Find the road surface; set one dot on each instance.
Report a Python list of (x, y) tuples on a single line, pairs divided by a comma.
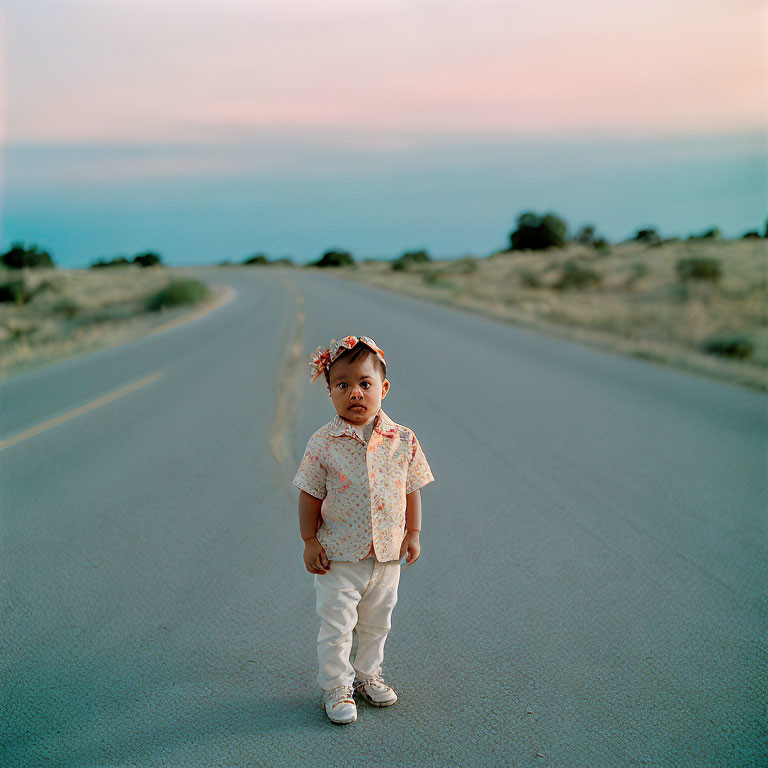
[(592, 589)]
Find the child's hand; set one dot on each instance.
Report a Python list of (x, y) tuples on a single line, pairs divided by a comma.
[(315, 559), (410, 547)]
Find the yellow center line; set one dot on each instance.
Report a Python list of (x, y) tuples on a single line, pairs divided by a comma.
[(64, 417)]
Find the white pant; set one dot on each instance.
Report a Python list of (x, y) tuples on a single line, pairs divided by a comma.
[(357, 596)]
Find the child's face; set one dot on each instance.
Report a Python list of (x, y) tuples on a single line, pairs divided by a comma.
[(357, 389)]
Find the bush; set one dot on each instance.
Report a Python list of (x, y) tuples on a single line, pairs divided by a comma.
[(178, 292), (752, 234), (147, 259), (576, 276), (467, 265), (258, 258), (602, 245), (409, 259), (697, 268), (710, 234), (536, 233), (334, 259), (19, 257), (286, 261), (433, 277), (67, 307), (529, 279), (120, 261), (737, 346), (649, 235), (586, 235), (14, 291)]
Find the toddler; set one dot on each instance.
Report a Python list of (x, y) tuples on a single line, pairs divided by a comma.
[(359, 513)]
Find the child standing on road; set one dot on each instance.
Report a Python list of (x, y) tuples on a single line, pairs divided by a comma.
[(359, 513)]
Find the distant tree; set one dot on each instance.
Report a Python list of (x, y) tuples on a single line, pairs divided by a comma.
[(19, 257), (258, 258), (586, 235), (709, 234), (119, 261), (535, 232), (409, 259), (147, 259), (286, 261), (334, 259), (753, 234), (649, 235)]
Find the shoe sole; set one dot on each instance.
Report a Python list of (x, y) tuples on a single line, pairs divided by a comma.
[(342, 722)]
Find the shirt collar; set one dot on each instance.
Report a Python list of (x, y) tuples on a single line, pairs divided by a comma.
[(382, 424)]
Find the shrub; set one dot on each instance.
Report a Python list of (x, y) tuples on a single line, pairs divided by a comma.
[(537, 233), (698, 268), (19, 257), (119, 261), (178, 292), (586, 235), (409, 259), (432, 277), (752, 234), (258, 258), (334, 259), (576, 276), (67, 307), (14, 291), (147, 259), (467, 265), (649, 235), (710, 234), (529, 279), (286, 261), (732, 345), (601, 244)]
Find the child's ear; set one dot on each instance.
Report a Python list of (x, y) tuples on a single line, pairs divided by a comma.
[(384, 388)]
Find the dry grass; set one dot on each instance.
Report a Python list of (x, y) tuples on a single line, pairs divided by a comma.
[(72, 312), (639, 308)]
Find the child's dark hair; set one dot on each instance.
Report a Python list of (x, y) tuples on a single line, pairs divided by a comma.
[(350, 355)]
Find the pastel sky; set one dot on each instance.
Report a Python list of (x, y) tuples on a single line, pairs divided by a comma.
[(313, 81), (132, 69)]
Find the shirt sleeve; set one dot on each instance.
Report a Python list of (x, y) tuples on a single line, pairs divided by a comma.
[(419, 473), (311, 474)]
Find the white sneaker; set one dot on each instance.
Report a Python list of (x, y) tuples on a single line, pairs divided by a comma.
[(340, 705), (376, 692)]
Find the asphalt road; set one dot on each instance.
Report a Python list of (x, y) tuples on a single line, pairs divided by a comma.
[(592, 590)]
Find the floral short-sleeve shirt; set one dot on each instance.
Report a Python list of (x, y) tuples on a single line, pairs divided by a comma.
[(363, 487)]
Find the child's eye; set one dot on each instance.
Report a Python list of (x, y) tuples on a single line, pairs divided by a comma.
[(342, 386), (365, 384)]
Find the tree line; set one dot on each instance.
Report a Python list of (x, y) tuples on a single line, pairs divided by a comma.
[(534, 232)]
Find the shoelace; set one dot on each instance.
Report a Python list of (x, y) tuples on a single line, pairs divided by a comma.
[(370, 681), (343, 693)]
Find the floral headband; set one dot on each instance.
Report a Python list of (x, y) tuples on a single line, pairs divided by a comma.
[(322, 359)]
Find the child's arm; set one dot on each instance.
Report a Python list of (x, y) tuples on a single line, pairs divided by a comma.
[(411, 546), (315, 560)]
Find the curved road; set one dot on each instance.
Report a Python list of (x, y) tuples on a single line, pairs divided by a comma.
[(592, 590)]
